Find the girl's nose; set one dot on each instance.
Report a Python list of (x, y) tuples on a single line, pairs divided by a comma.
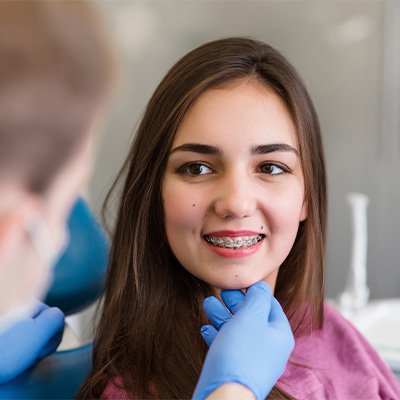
[(235, 198)]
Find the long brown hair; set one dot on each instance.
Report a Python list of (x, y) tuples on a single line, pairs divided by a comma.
[(149, 327)]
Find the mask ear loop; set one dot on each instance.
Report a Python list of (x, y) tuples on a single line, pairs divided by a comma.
[(40, 238)]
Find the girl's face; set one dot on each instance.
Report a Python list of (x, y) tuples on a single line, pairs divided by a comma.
[(233, 191)]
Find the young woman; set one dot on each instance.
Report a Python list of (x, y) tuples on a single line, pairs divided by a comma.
[(224, 186)]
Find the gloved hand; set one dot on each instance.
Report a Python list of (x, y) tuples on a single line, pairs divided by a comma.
[(30, 339), (250, 347)]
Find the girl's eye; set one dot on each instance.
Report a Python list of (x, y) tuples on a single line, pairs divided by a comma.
[(195, 169), (272, 169)]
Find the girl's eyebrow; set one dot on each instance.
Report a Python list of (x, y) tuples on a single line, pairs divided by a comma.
[(198, 148), (215, 150), (270, 148)]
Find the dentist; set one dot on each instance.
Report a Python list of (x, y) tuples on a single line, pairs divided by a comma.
[(56, 72)]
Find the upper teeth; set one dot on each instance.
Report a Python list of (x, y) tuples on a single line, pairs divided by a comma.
[(233, 243)]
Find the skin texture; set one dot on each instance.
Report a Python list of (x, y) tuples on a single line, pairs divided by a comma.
[(26, 267), (232, 391), (234, 190)]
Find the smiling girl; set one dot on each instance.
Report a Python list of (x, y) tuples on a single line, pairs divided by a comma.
[(224, 187), (234, 189)]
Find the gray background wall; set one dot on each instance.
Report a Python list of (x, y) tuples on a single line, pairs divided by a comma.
[(346, 53)]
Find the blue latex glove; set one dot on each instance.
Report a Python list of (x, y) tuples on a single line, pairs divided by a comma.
[(250, 345), (30, 339)]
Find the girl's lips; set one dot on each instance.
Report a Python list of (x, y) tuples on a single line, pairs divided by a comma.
[(236, 252), (233, 242)]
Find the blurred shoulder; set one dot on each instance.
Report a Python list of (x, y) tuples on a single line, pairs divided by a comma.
[(114, 390)]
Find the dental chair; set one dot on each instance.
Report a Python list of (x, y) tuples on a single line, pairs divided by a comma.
[(78, 281)]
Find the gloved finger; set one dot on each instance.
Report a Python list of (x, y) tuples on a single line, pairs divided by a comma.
[(277, 316), (208, 332), (258, 297), (38, 307), (280, 322), (48, 323), (232, 299), (216, 311), (51, 346)]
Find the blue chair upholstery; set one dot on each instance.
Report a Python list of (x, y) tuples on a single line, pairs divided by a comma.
[(78, 281), (58, 376)]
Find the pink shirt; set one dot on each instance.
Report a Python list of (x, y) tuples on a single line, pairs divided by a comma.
[(337, 364)]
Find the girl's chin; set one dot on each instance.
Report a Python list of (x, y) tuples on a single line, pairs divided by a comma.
[(235, 285), (242, 283)]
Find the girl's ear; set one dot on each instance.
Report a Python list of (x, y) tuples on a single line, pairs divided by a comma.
[(303, 213)]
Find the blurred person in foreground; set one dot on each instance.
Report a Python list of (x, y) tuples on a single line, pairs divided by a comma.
[(57, 70)]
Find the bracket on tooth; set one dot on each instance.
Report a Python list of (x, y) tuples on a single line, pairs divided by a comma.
[(236, 243)]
